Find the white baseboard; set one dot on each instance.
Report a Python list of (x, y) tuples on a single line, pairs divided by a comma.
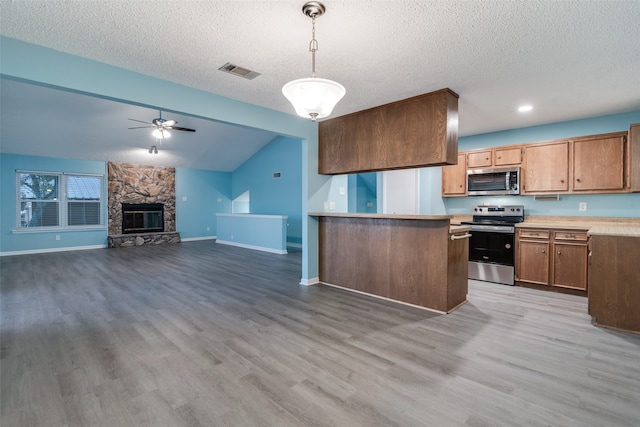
[(310, 282), (49, 250), (256, 248), (193, 239)]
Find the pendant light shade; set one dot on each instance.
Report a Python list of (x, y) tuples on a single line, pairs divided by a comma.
[(313, 97)]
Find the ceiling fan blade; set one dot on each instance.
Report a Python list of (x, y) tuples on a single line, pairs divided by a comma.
[(142, 127), (169, 123), (134, 120), (179, 128)]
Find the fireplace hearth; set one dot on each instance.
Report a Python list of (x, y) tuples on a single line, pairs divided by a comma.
[(142, 218)]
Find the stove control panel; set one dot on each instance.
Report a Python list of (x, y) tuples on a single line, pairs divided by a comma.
[(499, 210)]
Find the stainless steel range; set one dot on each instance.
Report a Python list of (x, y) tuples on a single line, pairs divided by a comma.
[(491, 246)]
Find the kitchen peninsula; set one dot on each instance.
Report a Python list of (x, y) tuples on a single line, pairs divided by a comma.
[(415, 259)]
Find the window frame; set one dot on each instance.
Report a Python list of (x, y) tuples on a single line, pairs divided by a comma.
[(62, 201)]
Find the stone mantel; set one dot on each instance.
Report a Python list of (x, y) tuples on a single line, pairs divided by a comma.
[(136, 184)]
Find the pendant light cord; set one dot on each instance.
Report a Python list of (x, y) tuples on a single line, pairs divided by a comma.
[(313, 46)]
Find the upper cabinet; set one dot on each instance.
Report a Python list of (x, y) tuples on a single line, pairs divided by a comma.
[(633, 160), (496, 157), (606, 163), (507, 156), (546, 168), (454, 178), (599, 163), (479, 159), (412, 133)]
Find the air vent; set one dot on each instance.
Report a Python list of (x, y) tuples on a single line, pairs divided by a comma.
[(239, 71)]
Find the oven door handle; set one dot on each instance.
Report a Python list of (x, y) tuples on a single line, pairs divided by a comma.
[(460, 236)]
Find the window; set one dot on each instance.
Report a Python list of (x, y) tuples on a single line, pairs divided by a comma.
[(60, 200)]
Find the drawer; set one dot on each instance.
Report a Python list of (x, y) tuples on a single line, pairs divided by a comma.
[(570, 235), (533, 234)]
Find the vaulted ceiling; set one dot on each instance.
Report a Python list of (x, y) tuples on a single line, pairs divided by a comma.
[(569, 59)]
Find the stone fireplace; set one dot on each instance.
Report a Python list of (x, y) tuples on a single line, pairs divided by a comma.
[(142, 205)]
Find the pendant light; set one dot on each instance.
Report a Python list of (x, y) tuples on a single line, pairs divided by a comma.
[(313, 97)]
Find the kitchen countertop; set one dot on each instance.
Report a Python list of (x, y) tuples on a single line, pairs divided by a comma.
[(593, 225), (381, 216)]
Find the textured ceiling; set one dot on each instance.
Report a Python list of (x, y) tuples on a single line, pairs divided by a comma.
[(569, 59)]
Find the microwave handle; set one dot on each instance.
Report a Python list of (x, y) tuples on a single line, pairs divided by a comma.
[(507, 180)]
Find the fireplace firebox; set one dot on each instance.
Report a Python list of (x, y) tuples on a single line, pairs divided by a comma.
[(142, 217)]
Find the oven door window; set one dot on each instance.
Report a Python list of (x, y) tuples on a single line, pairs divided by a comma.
[(491, 247)]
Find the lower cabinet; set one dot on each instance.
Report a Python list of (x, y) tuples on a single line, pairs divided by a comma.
[(553, 258), (570, 257), (614, 282)]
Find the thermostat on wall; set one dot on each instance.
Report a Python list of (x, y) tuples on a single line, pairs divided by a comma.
[(276, 174)]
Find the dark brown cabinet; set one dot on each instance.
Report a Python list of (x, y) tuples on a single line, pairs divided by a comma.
[(412, 133), (614, 281)]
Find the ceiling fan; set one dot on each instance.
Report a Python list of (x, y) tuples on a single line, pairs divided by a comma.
[(162, 126)]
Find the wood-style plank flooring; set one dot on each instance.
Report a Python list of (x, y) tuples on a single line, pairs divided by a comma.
[(199, 334)]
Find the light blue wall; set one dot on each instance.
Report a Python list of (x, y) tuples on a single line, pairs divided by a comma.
[(261, 232), (200, 194), (269, 195), (19, 242), (362, 190), (598, 205), (39, 65)]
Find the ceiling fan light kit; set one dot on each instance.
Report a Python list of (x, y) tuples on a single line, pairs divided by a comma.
[(160, 133), (313, 97), (161, 127)]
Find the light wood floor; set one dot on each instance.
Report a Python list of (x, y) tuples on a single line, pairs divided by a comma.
[(199, 334)]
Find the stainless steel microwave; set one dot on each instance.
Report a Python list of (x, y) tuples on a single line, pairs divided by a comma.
[(488, 182)]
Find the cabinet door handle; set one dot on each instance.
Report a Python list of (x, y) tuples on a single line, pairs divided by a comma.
[(562, 181), (559, 253), (578, 179), (544, 252)]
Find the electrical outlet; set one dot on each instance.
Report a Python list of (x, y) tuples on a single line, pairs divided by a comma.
[(342, 191), (326, 205), (208, 228), (332, 206), (184, 198), (219, 200), (582, 206), (57, 237)]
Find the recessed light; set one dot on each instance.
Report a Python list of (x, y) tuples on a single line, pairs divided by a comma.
[(525, 108)]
